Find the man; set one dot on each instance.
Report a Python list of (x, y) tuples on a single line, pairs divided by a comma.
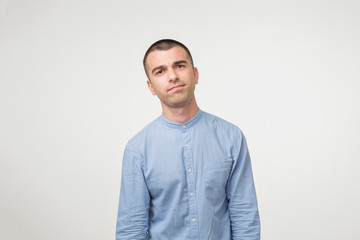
[(187, 175)]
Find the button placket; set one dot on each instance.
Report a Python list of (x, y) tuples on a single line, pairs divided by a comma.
[(190, 178)]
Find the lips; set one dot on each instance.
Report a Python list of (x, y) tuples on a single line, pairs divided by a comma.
[(176, 87)]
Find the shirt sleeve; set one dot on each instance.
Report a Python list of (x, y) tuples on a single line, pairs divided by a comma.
[(133, 211), (243, 207)]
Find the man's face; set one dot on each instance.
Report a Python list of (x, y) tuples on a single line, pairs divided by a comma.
[(172, 77)]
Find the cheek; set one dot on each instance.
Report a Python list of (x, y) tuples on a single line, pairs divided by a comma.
[(191, 78), (158, 87)]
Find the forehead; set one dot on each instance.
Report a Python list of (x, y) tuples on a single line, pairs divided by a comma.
[(166, 57)]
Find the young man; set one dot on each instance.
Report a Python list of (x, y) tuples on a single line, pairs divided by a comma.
[(187, 175)]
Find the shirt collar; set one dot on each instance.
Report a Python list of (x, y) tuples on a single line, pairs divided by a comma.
[(182, 126)]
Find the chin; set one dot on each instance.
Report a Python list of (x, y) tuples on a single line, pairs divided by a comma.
[(178, 102)]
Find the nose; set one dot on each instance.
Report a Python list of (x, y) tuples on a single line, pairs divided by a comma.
[(172, 75)]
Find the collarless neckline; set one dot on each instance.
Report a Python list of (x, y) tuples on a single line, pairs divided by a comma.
[(187, 124)]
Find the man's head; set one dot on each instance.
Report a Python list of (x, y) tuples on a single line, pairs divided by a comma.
[(171, 74), (163, 45)]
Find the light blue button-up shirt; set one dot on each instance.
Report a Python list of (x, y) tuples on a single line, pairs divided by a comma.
[(188, 181)]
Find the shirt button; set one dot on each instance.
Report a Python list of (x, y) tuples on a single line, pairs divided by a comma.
[(193, 220), (183, 126), (186, 145), (191, 194), (189, 170)]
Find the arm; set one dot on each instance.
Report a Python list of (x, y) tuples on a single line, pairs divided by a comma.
[(243, 208), (133, 213)]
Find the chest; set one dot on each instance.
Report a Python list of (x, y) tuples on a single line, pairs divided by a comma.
[(177, 161)]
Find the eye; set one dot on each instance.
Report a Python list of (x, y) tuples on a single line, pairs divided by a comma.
[(159, 72), (180, 66)]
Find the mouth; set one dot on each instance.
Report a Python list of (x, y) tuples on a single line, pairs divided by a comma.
[(176, 87)]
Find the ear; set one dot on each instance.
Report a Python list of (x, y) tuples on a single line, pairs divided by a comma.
[(196, 74), (150, 87)]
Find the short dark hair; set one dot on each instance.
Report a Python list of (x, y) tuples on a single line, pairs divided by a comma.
[(163, 45)]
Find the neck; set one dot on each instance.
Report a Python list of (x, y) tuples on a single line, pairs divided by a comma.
[(180, 114)]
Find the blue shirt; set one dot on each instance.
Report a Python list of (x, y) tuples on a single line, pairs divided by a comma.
[(188, 181)]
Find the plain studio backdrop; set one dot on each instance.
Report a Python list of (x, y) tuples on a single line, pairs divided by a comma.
[(73, 91)]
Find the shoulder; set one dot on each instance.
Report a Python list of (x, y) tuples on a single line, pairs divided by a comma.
[(225, 130), (140, 138), (228, 134), (220, 124)]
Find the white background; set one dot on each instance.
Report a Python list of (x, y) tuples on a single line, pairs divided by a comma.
[(73, 91)]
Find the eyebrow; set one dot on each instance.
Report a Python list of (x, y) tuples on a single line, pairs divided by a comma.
[(162, 66), (159, 67), (179, 62)]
